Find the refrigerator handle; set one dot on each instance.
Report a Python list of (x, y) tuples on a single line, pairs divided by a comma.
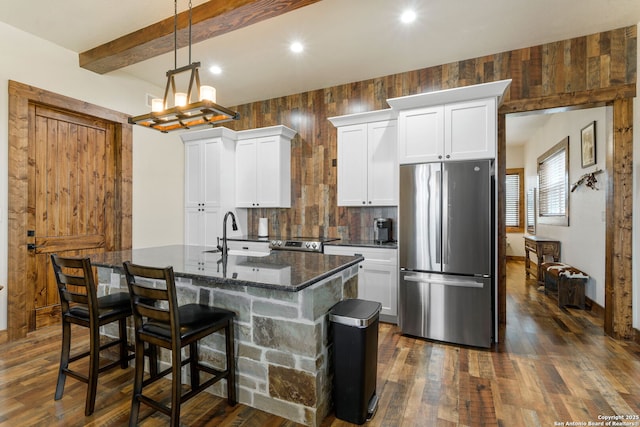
[(438, 221), (445, 282), (444, 215)]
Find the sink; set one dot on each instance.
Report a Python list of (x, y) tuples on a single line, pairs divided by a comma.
[(242, 252)]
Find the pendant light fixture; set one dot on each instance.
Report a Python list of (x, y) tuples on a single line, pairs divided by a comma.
[(183, 110)]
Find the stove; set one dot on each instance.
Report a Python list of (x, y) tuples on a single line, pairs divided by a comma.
[(305, 244)]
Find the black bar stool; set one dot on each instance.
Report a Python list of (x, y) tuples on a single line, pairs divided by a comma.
[(81, 306), (159, 321)]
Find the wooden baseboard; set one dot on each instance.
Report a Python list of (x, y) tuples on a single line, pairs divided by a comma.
[(595, 308), (515, 258), (636, 336), (4, 336)]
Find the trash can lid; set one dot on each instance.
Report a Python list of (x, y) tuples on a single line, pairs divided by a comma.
[(355, 312)]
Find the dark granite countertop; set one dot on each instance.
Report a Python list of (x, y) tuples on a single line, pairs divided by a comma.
[(282, 270), (363, 243)]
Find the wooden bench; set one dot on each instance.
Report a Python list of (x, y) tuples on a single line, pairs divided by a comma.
[(567, 281)]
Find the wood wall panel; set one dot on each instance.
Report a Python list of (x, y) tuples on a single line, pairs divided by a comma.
[(595, 68)]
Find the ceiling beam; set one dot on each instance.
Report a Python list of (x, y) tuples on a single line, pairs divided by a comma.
[(210, 19)]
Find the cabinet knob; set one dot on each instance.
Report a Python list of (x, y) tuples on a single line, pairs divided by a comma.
[(448, 156), (364, 203), (439, 157), (369, 201)]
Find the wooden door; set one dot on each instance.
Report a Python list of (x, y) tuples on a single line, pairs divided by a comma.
[(71, 187)]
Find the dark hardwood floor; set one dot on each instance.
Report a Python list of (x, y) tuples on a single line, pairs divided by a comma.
[(552, 366)]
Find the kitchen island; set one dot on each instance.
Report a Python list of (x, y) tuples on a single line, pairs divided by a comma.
[(282, 329)]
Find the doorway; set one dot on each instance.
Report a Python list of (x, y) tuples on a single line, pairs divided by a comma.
[(619, 196), (583, 240)]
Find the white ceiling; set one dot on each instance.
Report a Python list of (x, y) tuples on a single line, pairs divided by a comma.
[(345, 40)]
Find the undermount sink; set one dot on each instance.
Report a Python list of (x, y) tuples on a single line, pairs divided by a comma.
[(242, 252)]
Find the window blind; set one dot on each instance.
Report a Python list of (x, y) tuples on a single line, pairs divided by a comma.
[(513, 200), (552, 180)]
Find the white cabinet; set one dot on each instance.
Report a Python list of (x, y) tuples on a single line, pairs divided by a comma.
[(263, 167), (377, 277), (367, 159), (202, 226), (459, 131), (452, 124), (207, 161)]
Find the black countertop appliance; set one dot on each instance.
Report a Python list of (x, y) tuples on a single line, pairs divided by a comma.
[(382, 230)]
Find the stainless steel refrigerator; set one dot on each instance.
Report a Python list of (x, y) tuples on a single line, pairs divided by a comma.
[(446, 228)]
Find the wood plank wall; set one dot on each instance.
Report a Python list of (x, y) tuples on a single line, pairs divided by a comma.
[(597, 68), (588, 63)]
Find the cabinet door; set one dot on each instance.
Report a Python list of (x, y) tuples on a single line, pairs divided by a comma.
[(192, 227), (421, 135), (246, 173), (267, 169), (382, 167), (211, 226), (202, 226), (211, 155), (379, 282), (352, 165), (193, 170), (470, 130)]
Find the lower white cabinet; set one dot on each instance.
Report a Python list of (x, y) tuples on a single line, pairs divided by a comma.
[(377, 278), (202, 226)]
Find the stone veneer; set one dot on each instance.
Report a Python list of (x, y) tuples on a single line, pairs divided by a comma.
[(282, 339)]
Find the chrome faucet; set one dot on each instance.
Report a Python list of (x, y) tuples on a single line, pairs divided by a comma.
[(224, 249)]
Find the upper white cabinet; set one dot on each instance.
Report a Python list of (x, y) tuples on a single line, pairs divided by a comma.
[(202, 169), (453, 124), (263, 167), (367, 159)]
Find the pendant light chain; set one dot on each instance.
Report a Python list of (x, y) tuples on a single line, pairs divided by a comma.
[(175, 34), (189, 31)]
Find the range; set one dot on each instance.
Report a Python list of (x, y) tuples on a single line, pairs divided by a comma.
[(306, 244)]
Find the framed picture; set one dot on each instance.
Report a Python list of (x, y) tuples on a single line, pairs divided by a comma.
[(588, 145)]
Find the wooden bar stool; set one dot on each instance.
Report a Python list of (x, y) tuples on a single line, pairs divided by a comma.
[(159, 321), (81, 306)]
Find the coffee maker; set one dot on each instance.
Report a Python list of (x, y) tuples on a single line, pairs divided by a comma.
[(382, 230)]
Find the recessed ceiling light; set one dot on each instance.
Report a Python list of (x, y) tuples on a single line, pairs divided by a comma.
[(215, 69), (408, 16), (296, 47)]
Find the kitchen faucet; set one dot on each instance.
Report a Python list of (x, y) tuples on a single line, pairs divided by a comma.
[(224, 249)]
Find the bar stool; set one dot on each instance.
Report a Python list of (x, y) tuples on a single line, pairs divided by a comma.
[(159, 321), (81, 306)]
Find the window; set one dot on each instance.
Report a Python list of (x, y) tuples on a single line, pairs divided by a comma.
[(514, 190), (553, 182)]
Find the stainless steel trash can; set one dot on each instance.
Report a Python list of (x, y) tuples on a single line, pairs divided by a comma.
[(355, 359)]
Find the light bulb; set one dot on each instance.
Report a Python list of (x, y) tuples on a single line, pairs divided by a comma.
[(208, 93), (180, 99), (157, 105)]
